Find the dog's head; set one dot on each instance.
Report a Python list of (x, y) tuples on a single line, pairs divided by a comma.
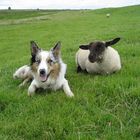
[(45, 64)]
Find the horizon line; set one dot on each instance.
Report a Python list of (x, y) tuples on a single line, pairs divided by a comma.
[(67, 8)]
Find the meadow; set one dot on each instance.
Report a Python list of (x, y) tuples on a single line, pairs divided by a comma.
[(104, 107)]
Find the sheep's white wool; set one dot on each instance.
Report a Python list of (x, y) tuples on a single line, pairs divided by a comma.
[(111, 61), (108, 15), (81, 58)]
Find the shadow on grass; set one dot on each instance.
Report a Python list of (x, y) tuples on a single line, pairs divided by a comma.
[(3, 106)]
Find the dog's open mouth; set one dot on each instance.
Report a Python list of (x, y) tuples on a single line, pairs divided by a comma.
[(44, 77)]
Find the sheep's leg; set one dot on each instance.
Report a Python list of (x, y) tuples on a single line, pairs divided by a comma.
[(79, 69)]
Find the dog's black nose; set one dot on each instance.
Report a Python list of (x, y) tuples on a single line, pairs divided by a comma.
[(42, 71)]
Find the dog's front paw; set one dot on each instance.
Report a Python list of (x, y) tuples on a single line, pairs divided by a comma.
[(31, 90), (70, 94), (30, 94)]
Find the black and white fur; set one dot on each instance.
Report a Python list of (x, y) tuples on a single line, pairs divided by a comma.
[(98, 57), (48, 70), (24, 73)]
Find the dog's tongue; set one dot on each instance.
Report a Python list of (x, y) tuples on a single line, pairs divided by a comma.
[(43, 78)]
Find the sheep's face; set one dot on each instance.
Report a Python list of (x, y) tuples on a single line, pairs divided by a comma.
[(97, 49)]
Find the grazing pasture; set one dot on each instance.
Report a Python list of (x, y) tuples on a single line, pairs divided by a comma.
[(104, 107)]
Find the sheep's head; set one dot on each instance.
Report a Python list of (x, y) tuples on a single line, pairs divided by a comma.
[(97, 49)]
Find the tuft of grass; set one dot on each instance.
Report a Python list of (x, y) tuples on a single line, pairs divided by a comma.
[(104, 107)]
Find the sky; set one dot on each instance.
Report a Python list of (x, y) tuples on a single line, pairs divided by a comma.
[(65, 4)]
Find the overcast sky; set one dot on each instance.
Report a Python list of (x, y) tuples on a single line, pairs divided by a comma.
[(65, 4)]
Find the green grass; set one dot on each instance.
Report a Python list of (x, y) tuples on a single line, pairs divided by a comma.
[(104, 107), (20, 14)]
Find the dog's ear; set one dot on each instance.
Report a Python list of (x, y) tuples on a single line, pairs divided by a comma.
[(34, 48), (112, 42), (56, 50)]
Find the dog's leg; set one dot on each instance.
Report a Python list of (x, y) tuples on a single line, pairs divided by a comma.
[(67, 89), (24, 82), (32, 88)]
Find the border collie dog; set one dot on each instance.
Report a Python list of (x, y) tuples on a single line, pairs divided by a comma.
[(48, 70)]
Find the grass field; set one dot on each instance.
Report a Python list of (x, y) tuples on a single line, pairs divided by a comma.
[(104, 107)]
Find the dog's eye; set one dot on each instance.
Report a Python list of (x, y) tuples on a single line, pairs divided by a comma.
[(50, 61), (38, 61)]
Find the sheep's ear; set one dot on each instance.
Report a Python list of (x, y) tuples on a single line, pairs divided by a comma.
[(84, 47), (56, 50), (112, 42), (34, 48)]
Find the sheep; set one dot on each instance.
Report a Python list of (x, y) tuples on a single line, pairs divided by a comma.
[(108, 15), (24, 73), (98, 57)]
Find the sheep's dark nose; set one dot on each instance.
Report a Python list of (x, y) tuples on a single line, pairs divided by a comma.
[(42, 72), (92, 58)]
